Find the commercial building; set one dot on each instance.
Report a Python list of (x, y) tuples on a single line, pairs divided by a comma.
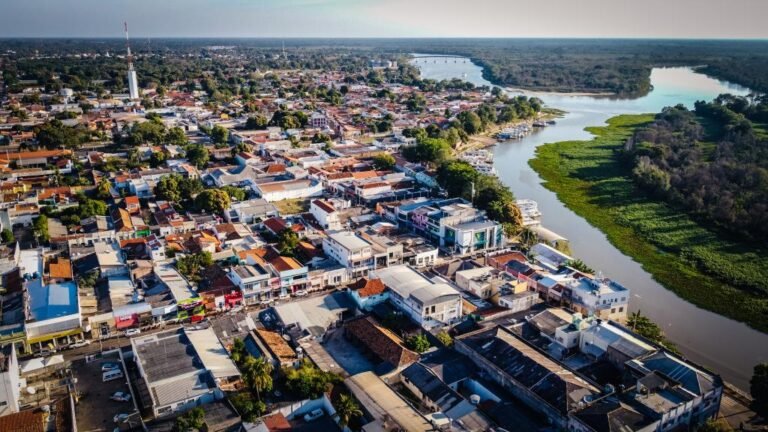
[(429, 303)]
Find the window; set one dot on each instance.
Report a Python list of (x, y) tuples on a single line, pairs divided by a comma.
[(433, 309), (621, 309), (613, 310)]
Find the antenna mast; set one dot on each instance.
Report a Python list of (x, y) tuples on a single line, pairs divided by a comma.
[(128, 46)]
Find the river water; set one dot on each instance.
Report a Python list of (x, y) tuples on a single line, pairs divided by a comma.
[(719, 343)]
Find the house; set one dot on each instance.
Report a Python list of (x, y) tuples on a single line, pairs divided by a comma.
[(110, 259), (598, 296), (251, 211), (253, 281), (367, 293), (315, 315), (430, 303), (325, 214)]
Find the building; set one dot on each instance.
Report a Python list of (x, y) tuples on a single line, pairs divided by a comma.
[(533, 378), (351, 251), (253, 281), (9, 380), (175, 375), (430, 303), (597, 296), (288, 189), (453, 224), (367, 293), (388, 348), (388, 409), (325, 214)]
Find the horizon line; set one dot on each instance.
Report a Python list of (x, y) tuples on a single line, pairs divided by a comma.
[(657, 38)]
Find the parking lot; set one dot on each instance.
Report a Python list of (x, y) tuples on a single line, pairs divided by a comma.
[(95, 410)]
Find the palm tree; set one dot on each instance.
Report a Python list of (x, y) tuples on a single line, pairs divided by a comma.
[(347, 409), (238, 352), (257, 374)]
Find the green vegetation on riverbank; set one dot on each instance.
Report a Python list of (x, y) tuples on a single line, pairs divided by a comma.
[(589, 178)]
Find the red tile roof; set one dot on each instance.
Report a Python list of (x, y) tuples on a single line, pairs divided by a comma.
[(368, 287)]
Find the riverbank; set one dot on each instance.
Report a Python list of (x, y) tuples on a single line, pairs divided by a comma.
[(488, 138), (588, 179)]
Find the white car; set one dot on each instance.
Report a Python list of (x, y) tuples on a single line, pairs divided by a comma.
[(80, 344), (121, 397), (121, 418), (313, 415), (284, 296), (132, 332), (301, 293)]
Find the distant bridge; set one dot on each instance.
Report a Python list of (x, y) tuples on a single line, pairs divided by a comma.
[(439, 58)]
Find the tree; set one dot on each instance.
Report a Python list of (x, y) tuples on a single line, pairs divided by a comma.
[(104, 189), (40, 226), (238, 352), (287, 242), (198, 155), (212, 200), (192, 420), (248, 408), (758, 388), (715, 426), (643, 326), (55, 134), (151, 131), (7, 236), (308, 381), (580, 266), (418, 343), (236, 193), (445, 338), (190, 265), (384, 161), (168, 188), (219, 134), (257, 374), (256, 122), (176, 136), (157, 159), (347, 409)]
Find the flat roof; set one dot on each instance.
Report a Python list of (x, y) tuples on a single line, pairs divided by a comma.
[(165, 355), (53, 300), (316, 313), (380, 401), (349, 240), (212, 353)]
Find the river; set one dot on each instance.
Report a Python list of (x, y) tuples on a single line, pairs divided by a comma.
[(726, 346)]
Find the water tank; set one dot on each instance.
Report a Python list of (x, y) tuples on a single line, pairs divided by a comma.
[(474, 399)]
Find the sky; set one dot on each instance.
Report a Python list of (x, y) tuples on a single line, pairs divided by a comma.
[(386, 18)]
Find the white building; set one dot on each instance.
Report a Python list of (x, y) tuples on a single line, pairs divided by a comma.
[(597, 296), (288, 189), (325, 214), (431, 303), (351, 251), (253, 281), (9, 380)]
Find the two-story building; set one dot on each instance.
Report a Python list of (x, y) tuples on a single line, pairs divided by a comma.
[(351, 251), (430, 303)]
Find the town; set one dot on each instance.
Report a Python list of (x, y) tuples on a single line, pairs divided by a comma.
[(323, 250)]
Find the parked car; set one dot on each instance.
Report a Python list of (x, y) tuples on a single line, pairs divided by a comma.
[(106, 367), (121, 396), (121, 418), (284, 296), (313, 415), (301, 293), (45, 352), (80, 344), (132, 332)]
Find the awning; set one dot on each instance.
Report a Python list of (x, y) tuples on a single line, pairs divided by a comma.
[(50, 336)]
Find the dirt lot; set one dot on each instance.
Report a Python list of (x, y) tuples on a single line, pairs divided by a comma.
[(95, 410)]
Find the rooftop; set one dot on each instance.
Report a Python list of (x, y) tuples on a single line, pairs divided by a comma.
[(166, 354), (381, 401), (53, 300)]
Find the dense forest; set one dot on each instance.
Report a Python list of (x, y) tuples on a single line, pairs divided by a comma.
[(568, 65), (712, 162)]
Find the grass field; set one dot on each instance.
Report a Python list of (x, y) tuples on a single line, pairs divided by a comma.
[(705, 267)]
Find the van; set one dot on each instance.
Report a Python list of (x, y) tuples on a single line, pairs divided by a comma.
[(111, 375)]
